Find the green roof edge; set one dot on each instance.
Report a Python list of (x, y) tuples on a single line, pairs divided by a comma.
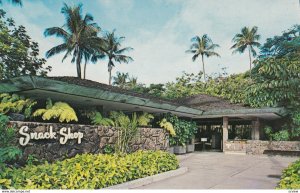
[(281, 111), (24, 83)]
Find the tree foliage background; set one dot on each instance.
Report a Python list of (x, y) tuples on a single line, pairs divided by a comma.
[(19, 54), (275, 82)]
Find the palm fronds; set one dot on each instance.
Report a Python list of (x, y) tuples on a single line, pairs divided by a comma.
[(113, 50), (248, 38), (79, 35), (14, 2), (202, 46)]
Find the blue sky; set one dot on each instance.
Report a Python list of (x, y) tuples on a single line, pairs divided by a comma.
[(160, 31)]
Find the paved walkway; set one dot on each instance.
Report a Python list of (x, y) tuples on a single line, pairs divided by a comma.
[(224, 171)]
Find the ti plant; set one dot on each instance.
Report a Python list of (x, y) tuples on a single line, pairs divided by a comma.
[(127, 130), (127, 127)]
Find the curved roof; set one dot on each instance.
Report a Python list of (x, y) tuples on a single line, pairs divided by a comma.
[(90, 93), (207, 102), (86, 92)]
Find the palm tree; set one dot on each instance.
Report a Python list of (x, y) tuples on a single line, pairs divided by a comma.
[(121, 79), (132, 82), (14, 2), (202, 47), (247, 39), (114, 51), (79, 35)]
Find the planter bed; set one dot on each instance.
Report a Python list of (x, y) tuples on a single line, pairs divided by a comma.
[(179, 149), (190, 148), (283, 153), (150, 179), (89, 171)]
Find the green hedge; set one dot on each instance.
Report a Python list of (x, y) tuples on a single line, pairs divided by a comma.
[(88, 171), (290, 178)]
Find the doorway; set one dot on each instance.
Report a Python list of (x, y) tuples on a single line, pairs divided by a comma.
[(208, 138)]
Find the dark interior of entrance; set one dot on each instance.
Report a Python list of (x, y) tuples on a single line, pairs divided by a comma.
[(210, 133)]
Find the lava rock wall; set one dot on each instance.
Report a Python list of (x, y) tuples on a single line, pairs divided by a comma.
[(94, 140)]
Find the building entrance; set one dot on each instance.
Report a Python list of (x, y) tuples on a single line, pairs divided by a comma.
[(209, 138)]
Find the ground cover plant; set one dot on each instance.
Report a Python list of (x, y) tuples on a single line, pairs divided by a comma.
[(290, 178), (88, 171)]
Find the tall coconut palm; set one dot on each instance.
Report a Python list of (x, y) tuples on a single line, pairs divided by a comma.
[(203, 46), (79, 35), (247, 39), (14, 2), (114, 52), (132, 82), (121, 79)]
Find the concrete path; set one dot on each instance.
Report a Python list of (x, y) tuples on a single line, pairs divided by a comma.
[(224, 171)]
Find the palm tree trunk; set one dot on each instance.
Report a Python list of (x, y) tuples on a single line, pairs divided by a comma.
[(109, 76), (203, 68), (109, 71), (78, 67), (84, 70), (250, 61)]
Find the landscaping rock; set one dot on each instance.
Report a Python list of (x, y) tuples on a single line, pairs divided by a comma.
[(95, 138)]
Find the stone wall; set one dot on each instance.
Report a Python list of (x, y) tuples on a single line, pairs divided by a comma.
[(235, 146), (258, 147), (95, 138)]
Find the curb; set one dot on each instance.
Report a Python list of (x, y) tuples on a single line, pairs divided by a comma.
[(149, 179), (235, 152)]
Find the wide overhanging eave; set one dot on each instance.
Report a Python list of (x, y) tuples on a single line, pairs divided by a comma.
[(26, 83)]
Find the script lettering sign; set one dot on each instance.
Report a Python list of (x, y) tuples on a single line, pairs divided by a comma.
[(65, 135)]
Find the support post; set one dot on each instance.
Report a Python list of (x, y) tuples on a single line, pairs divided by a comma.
[(255, 129), (225, 131)]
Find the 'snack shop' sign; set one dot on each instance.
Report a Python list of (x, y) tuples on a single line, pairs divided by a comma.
[(65, 135)]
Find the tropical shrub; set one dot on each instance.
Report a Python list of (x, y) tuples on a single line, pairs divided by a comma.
[(16, 104), (88, 171), (168, 126), (282, 135), (290, 178), (32, 160), (184, 130), (144, 119), (8, 152), (127, 129), (294, 125), (108, 149), (7, 133), (98, 119), (60, 110)]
